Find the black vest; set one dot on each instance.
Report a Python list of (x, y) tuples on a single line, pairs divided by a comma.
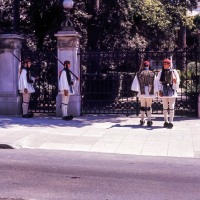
[(146, 78), (28, 74)]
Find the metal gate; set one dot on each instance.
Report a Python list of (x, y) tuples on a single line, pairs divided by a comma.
[(107, 77), (44, 65)]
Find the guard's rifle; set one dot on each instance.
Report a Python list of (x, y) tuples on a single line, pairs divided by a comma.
[(9, 51), (171, 63), (141, 63), (64, 65), (21, 63), (172, 67), (16, 57)]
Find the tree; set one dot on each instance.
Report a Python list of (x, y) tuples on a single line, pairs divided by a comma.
[(103, 24), (193, 35)]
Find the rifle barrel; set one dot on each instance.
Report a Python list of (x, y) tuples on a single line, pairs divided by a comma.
[(64, 65), (15, 56)]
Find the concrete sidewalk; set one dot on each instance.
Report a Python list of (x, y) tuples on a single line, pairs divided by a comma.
[(104, 133)]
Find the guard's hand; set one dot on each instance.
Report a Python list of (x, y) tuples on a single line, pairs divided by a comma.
[(174, 80), (160, 93), (66, 92), (25, 90)]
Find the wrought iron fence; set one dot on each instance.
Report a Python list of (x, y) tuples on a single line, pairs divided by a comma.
[(107, 77)]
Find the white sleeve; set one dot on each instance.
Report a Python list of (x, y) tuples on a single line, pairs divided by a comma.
[(176, 85), (159, 85), (155, 84), (23, 80), (33, 79), (63, 83), (135, 85), (75, 81)]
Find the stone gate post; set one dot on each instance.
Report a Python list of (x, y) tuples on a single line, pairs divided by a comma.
[(9, 67), (68, 47)]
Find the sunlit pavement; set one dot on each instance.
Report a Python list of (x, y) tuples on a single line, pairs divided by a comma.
[(103, 133)]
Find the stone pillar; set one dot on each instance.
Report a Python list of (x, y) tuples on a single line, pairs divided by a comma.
[(68, 47), (9, 67)]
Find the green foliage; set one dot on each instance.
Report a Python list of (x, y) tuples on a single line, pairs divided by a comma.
[(191, 77), (193, 38), (193, 68), (104, 25)]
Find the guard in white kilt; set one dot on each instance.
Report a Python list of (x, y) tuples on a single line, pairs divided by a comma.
[(66, 88), (145, 83), (168, 83), (25, 86)]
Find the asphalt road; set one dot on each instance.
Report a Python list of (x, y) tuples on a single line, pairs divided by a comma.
[(63, 175)]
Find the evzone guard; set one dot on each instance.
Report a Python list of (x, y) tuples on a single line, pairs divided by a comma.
[(66, 89), (168, 84), (25, 86), (145, 83)]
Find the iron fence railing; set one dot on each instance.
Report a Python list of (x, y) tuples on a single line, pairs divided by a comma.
[(106, 79)]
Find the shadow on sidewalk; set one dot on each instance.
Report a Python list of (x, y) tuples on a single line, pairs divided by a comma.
[(82, 121), (136, 127), (53, 121)]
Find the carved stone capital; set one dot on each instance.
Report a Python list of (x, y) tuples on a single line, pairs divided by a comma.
[(10, 42), (68, 42), (68, 39)]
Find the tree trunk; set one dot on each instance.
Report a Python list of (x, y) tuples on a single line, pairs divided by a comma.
[(97, 4), (182, 44), (182, 38), (93, 27)]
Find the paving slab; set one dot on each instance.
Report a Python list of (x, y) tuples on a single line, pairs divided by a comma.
[(104, 133)]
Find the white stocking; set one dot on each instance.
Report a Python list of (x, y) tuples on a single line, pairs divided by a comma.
[(171, 116), (64, 109), (64, 106), (149, 114), (142, 108), (142, 113), (165, 112), (171, 111), (165, 108), (25, 108), (25, 104), (149, 103)]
